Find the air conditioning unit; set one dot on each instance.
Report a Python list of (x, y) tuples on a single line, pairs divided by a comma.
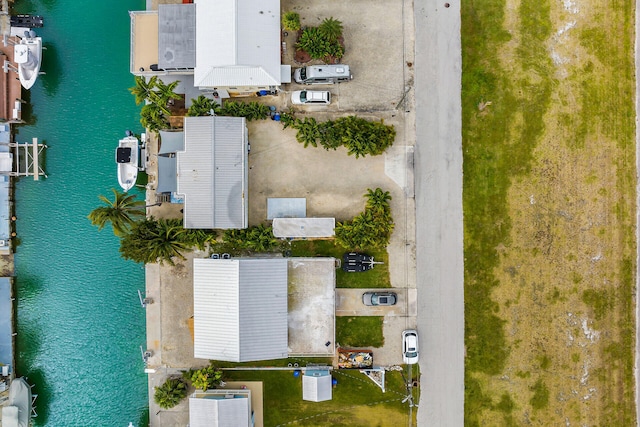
[(3, 243)]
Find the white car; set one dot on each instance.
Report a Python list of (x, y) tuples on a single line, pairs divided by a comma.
[(410, 346), (311, 97)]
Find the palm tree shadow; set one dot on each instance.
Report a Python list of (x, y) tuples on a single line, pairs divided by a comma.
[(52, 66)]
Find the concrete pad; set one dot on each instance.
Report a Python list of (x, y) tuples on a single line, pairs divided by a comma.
[(311, 316), (349, 303)]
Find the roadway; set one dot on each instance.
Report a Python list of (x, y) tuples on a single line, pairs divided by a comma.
[(439, 230)]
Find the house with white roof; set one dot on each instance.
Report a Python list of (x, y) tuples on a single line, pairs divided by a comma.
[(221, 408), (229, 47)]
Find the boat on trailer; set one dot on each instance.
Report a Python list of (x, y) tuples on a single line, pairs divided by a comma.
[(127, 156), (28, 56)]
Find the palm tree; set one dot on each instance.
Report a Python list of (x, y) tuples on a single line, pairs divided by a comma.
[(170, 393), (152, 117), (122, 212), (331, 29), (164, 92), (153, 240), (201, 106), (143, 89)]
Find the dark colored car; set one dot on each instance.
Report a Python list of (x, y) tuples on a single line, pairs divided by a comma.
[(379, 298)]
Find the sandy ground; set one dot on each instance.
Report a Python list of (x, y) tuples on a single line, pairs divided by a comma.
[(572, 218)]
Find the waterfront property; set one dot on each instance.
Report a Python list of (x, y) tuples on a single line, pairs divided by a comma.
[(230, 47)]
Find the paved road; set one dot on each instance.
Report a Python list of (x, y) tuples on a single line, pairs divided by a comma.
[(439, 234)]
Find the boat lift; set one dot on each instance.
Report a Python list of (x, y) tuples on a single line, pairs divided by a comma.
[(27, 159)]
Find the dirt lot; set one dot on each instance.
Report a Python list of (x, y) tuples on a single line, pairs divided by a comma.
[(566, 268)]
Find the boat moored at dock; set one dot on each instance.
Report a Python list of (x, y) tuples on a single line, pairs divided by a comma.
[(28, 56), (127, 157)]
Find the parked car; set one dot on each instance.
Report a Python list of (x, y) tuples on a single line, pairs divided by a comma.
[(311, 97), (410, 346), (379, 298), (353, 262)]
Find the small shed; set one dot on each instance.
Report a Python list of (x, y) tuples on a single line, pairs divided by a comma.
[(316, 385), (304, 228)]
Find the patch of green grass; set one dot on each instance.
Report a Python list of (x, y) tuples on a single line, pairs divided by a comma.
[(600, 301), (545, 362), (283, 399), (377, 277), (540, 398), (359, 331)]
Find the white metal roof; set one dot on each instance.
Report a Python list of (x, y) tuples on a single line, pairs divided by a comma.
[(237, 43), (220, 412), (213, 172), (304, 227), (316, 386), (240, 309)]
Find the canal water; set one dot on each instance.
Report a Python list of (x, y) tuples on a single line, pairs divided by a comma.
[(79, 321)]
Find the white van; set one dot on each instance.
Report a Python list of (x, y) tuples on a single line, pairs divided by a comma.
[(322, 74)]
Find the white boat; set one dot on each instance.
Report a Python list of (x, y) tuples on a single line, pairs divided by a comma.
[(28, 56), (19, 409), (127, 159)]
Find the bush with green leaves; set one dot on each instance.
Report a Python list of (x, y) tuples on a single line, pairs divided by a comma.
[(331, 29), (371, 228), (205, 378), (250, 110), (360, 136), (200, 106), (291, 21), (170, 393), (258, 238), (316, 43)]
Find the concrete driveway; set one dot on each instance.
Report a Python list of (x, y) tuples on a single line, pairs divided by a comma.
[(349, 303)]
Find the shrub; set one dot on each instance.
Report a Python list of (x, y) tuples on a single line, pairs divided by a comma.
[(361, 137), (205, 378), (258, 238), (250, 110), (371, 228), (170, 393), (291, 21), (331, 29), (318, 45), (201, 106)]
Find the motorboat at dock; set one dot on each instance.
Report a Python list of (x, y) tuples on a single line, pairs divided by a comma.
[(28, 56), (127, 157)]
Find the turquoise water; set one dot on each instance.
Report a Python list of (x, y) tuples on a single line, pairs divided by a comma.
[(80, 323)]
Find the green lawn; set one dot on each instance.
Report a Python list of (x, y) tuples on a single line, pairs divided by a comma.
[(377, 277), (359, 331), (357, 401)]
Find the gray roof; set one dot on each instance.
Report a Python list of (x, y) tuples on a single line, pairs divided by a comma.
[(171, 142), (304, 227), (6, 314), (240, 309), (176, 36), (167, 171), (287, 207), (213, 172)]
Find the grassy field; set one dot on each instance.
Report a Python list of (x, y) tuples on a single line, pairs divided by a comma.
[(359, 331), (549, 203), (357, 401)]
